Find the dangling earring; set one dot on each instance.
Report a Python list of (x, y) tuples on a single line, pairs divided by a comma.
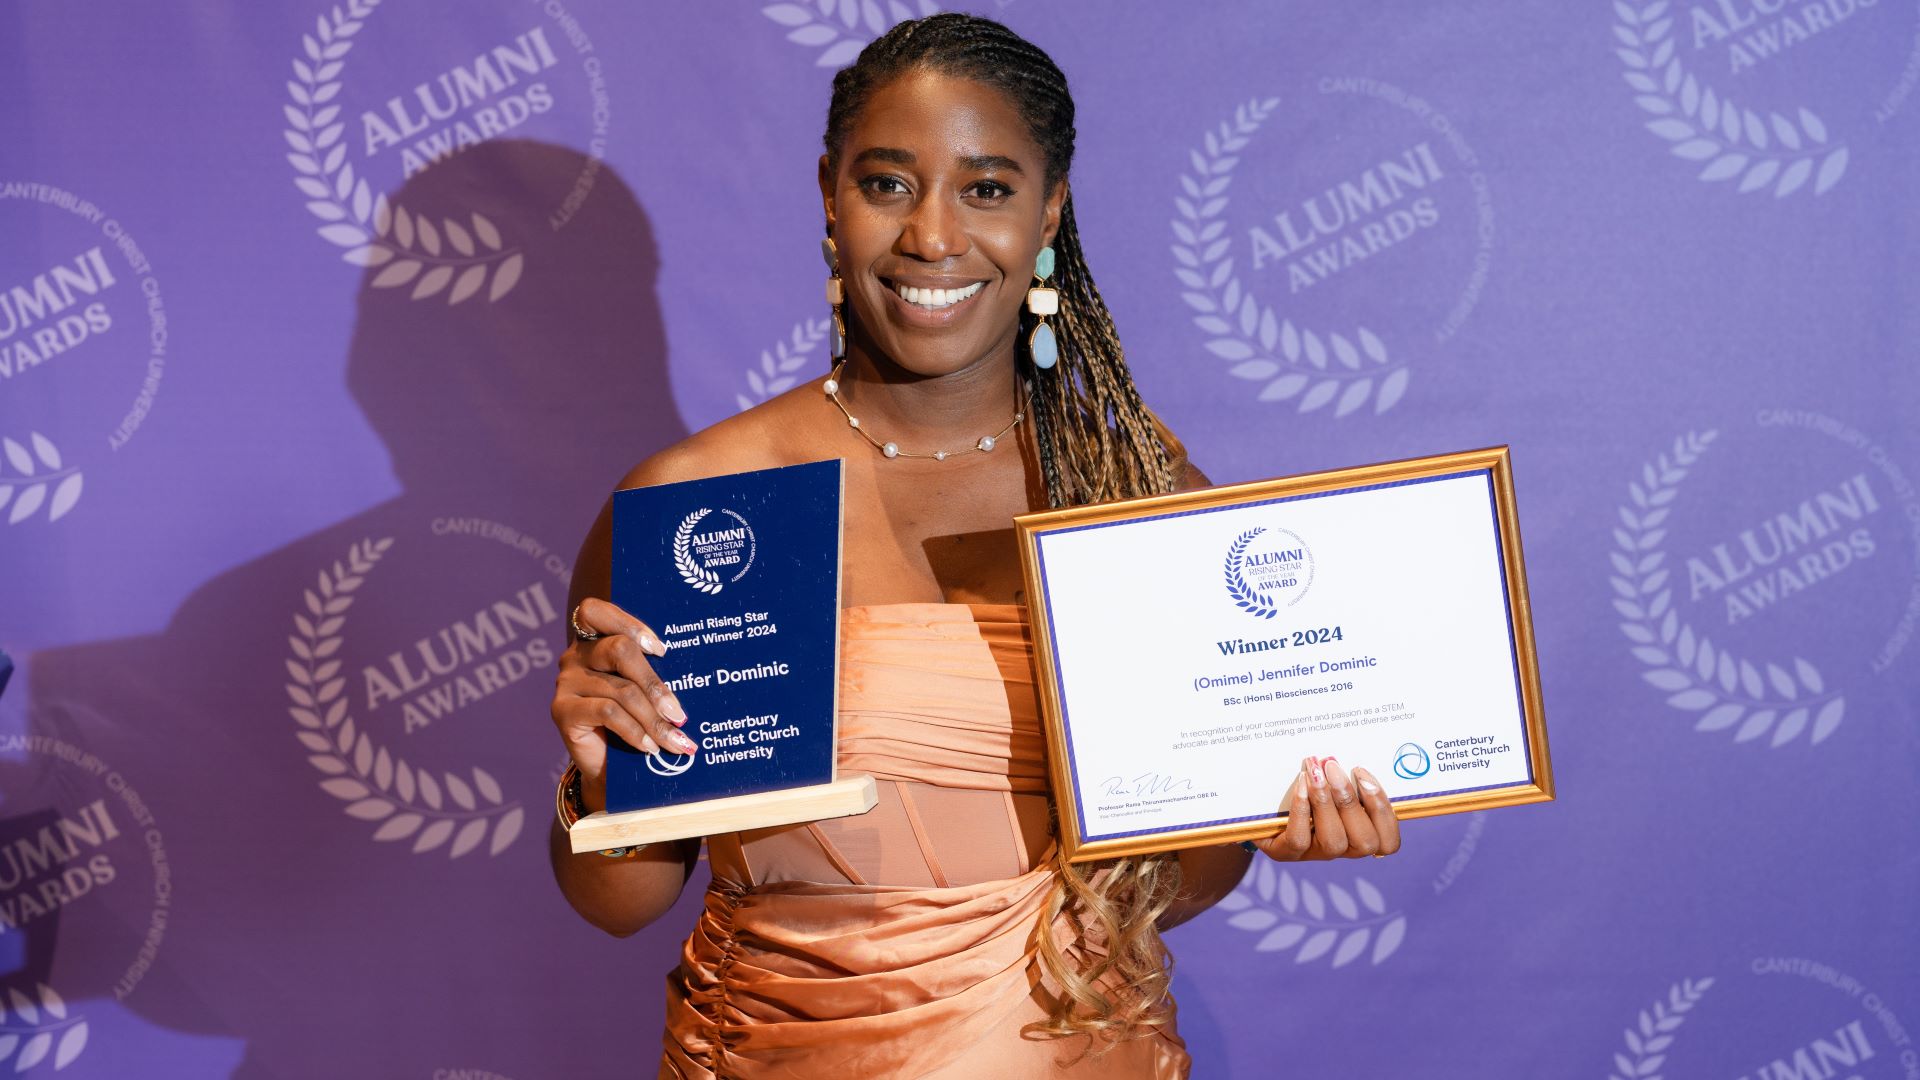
[(1043, 301), (837, 342)]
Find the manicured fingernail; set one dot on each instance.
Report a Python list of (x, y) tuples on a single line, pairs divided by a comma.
[(648, 746), (1303, 786), (1336, 775), (651, 644), (680, 742), (1366, 781), (670, 708), (1314, 770)]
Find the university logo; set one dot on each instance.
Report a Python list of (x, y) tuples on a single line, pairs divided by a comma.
[(1285, 247), (1777, 1017), (431, 101), (841, 28), (712, 552), (82, 863), (1268, 569), (394, 709), (1716, 587), (83, 346), (1731, 86), (1411, 761)]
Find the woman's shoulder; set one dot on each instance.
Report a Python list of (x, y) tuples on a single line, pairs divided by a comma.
[(771, 434)]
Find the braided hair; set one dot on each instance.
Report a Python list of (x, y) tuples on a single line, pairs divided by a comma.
[(1096, 441)]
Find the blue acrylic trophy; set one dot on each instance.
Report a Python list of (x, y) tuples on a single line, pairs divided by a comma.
[(740, 577)]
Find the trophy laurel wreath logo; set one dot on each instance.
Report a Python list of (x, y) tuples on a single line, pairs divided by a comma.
[(1727, 692), (373, 784), (1262, 346), (449, 257), (25, 490), (696, 555)]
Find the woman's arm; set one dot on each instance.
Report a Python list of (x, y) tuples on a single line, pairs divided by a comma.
[(605, 684)]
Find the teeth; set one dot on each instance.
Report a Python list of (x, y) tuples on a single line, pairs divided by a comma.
[(933, 299)]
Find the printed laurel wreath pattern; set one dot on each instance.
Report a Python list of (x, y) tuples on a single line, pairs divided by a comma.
[(1727, 692), (692, 572), (776, 373), (1647, 1042), (37, 1027), (1244, 595), (1238, 327), (1287, 911), (844, 27), (26, 492), (1733, 141), (374, 231), (375, 785)]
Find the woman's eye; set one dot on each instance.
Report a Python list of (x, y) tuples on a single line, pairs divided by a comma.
[(883, 185), (991, 190)]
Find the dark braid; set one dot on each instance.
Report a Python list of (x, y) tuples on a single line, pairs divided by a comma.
[(1096, 442), (1096, 439)]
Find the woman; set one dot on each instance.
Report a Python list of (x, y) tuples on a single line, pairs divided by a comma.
[(937, 935)]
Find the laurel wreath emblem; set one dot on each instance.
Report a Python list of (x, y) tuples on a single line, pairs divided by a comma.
[(1262, 346), (1727, 692), (35, 479), (692, 572), (1287, 911), (43, 1025), (374, 231), (843, 27), (1648, 1041), (1732, 140), (376, 785), (1244, 595), (778, 365)]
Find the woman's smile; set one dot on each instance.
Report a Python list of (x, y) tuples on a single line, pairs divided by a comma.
[(932, 303)]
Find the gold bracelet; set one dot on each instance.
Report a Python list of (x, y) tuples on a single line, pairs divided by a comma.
[(569, 809)]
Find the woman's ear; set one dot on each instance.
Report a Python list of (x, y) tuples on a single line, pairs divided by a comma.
[(826, 190), (1056, 199)]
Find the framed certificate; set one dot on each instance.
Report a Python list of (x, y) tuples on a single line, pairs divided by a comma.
[(1194, 647)]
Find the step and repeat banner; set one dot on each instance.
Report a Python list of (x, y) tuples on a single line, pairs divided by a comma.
[(326, 327)]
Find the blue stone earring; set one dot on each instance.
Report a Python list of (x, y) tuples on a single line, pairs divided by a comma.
[(1043, 301), (837, 341)]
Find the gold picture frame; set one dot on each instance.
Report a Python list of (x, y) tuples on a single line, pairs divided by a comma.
[(1494, 462)]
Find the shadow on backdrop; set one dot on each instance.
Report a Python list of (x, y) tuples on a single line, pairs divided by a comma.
[(318, 818)]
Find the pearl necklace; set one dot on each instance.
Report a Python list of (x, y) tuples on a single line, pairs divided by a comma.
[(891, 449)]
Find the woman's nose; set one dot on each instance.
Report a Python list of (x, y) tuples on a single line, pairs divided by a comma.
[(934, 232)]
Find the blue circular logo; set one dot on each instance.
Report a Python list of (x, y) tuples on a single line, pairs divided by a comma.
[(1411, 762)]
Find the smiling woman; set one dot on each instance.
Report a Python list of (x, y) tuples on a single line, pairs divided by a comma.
[(977, 376)]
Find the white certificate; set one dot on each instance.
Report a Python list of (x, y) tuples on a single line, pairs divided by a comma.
[(1195, 647)]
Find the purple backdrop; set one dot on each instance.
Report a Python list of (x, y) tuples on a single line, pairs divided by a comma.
[(273, 803)]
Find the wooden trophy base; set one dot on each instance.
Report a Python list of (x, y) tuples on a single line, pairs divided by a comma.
[(845, 797)]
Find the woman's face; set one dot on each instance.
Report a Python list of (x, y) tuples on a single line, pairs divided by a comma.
[(938, 209)]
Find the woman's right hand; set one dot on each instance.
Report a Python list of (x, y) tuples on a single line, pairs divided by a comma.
[(606, 685)]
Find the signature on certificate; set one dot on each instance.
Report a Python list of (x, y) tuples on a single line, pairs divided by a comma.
[(1147, 783)]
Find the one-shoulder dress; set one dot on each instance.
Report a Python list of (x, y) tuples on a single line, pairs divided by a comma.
[(901, 943)]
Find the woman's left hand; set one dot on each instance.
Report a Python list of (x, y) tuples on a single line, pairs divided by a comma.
[(1331, 815)]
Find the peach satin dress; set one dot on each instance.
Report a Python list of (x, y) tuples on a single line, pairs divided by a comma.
[(901, 943)]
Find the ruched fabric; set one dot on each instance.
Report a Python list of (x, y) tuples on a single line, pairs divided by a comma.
[(901, 943)]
